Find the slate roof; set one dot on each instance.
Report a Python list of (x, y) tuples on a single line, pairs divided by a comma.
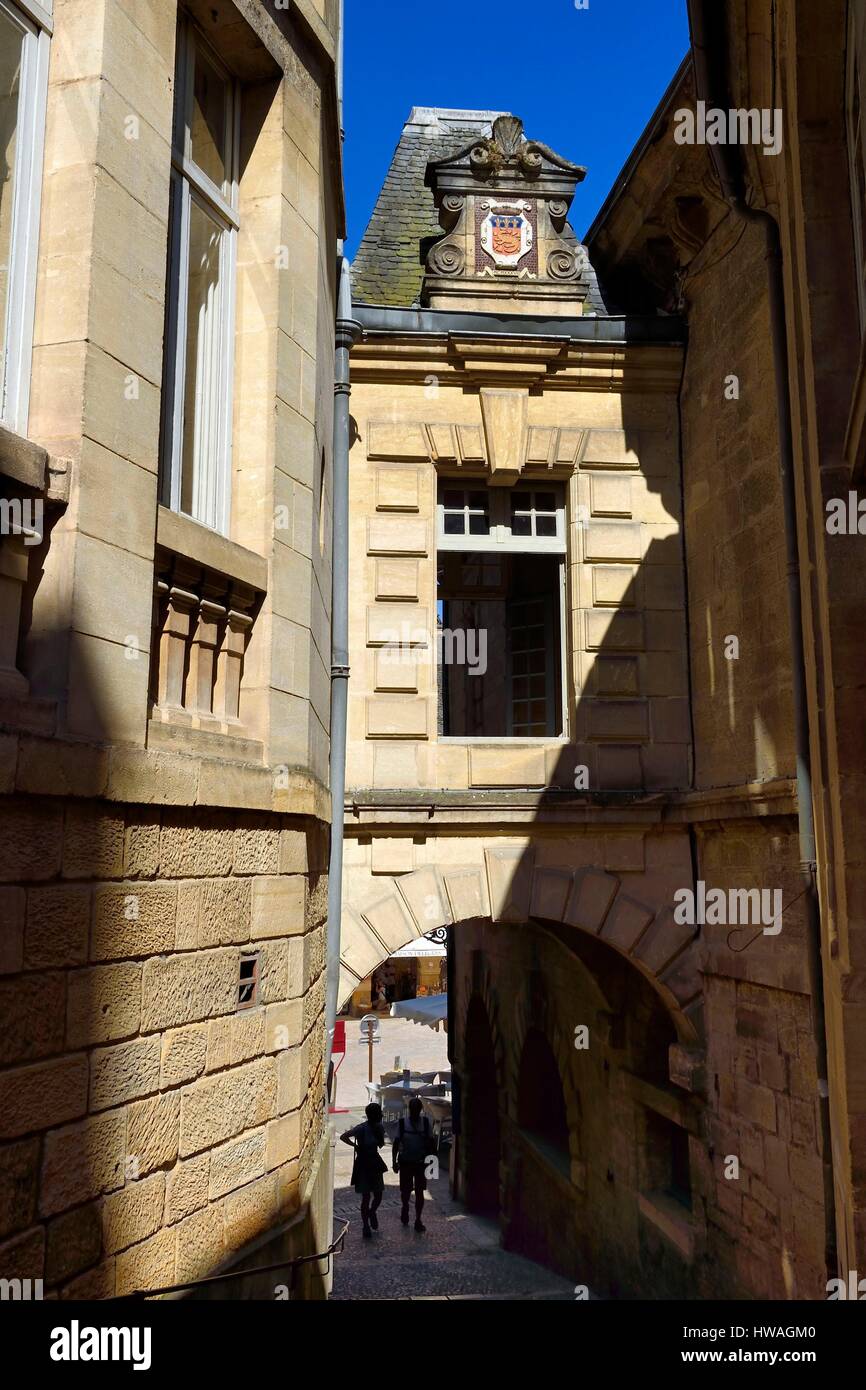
[(388, 266)]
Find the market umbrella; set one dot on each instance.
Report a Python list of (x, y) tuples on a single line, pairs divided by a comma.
[(431, 1009)]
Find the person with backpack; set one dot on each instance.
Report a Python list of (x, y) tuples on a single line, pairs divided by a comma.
[(368, 1169), (412, 1145)]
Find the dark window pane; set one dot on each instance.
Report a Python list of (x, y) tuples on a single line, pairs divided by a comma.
[(454, 524), (453, 497), (521, 526), (545, 526), (479, 525), (545, 502)]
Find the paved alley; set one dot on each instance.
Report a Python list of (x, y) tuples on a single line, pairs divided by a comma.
[(458, 1256)]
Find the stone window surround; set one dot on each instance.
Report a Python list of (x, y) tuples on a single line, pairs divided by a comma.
[(192, 187)]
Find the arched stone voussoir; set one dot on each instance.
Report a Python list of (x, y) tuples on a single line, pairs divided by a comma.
[(424, 895)]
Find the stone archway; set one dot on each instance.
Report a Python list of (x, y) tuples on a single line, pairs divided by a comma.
[(508, 885)]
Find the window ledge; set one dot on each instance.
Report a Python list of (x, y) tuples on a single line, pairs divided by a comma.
[(22, 460), (183, 536), (671, 1218)]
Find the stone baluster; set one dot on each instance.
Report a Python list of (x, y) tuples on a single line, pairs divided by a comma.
[(206, 641), (230, 664), (173, 643)]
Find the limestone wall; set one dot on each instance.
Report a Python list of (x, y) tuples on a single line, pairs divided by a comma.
[(164, 731), (151, 1129)]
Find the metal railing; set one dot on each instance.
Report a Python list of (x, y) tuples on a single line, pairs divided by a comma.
[(335, 1248)]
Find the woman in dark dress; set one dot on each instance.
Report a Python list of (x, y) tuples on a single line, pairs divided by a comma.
[(368, 1169)]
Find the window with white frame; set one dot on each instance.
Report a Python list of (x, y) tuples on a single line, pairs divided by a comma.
[(197, 392), (23, 84), (500, 610), (857, 144)]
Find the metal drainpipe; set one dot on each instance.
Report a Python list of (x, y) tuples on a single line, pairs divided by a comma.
[(707, 18), (347, 333)]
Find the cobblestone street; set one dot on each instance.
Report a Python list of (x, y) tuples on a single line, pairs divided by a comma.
[(457, 1257)]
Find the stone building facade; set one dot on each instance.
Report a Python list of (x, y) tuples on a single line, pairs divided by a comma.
[(165, 466), (578, 455)]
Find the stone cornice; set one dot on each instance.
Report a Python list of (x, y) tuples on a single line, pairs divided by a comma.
[(556, 362), (499, 811)]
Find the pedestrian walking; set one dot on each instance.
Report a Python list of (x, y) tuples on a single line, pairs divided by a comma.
[(369, 1167), (412, 1146)]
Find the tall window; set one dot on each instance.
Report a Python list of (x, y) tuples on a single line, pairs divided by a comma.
[(857, 144), (197, 394), (500, 576), (23, 81)]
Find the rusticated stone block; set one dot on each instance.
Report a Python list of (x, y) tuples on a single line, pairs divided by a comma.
[(199, 1243), (187, 988), (133, 919), (250, 1212), (123, 1072), (103, 1003), (186, 1188), (74, 1243), (50, 1093), (141, 848), (237, 1163), (256, 849), (283, 1140), (96, 1283), (215, 1109), (82, 1161), (12, 905), (32, 1009), (275, 958), (196, 848), (153, 1132), (186, 926), (23, 1257), (148, 1265), (30, 841), (58, 921), (19, 1180), (224, 911), (247, 1036), (92, 843), (293, 1077), (184, 1054), (133, 1213), (219, 1043)]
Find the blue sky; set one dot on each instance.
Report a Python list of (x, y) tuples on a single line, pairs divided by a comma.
[(584, 81)]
